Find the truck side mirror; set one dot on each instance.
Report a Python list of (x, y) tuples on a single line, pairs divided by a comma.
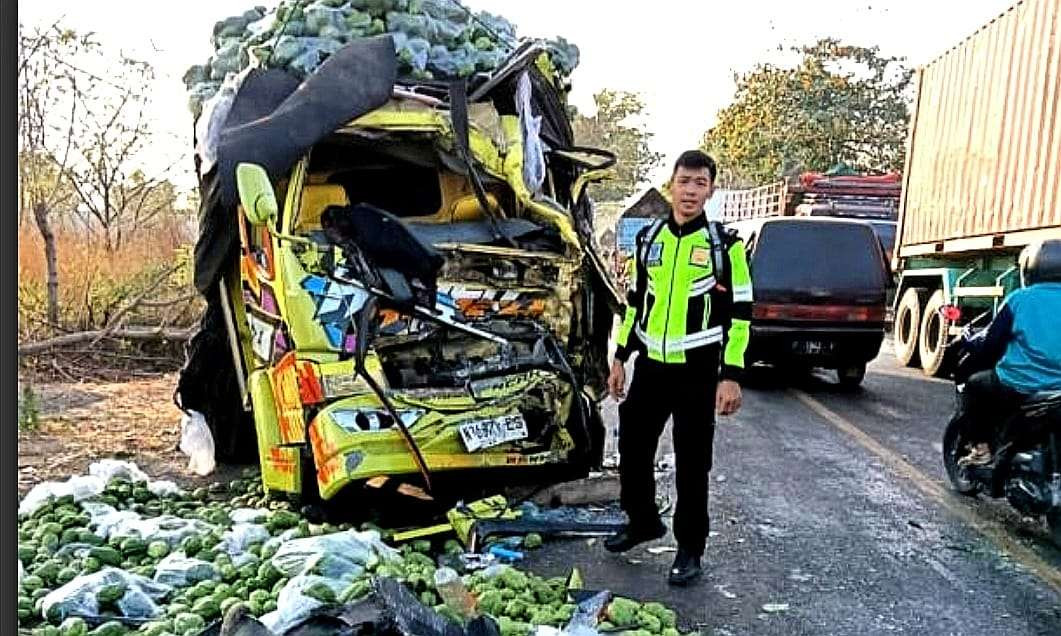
[(256, 193)]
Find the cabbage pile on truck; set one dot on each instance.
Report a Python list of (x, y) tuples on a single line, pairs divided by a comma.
[(434, 40), (399, 272)]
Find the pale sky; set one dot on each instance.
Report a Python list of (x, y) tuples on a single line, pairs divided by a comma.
[(680, 55)]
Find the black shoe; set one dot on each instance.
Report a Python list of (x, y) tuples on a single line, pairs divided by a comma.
[(686, 568), (634, 535)]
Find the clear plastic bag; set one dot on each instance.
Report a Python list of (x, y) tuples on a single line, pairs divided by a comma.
[(80, 487), (166, 528), (489, 60), (412, 52), (195, 75), (197, 442), (108, 469), (248, 515), (245, 558), (287, 49), (446, 10), (490, 25), (78, 597), (320, 18), (262, 29), (177, 570), (199, 93), (410, 25), (208, 136), (314, 52), (298, 556), (103, 519), (241, 536), (448, 63), (564, 55), (293, 606), (231, 58), (164, 488), (531, 125)]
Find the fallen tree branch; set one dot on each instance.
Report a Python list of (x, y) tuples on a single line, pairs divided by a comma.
[(114, 324), (168, 303), (128, 333)]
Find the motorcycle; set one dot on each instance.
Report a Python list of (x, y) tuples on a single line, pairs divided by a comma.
[(1025, 465)]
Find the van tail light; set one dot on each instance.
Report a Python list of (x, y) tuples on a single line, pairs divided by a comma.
[(952, 313), (832, 313)]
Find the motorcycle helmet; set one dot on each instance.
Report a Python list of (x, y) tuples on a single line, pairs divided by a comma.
[(1040, 262)]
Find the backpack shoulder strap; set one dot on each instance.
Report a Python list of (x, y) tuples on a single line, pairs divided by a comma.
[(645, 237), (718, 256)]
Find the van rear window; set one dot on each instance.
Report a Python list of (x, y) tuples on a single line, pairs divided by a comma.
[(837, 256)]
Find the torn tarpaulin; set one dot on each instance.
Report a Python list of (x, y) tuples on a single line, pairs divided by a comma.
[(273, 120), (356, 79)]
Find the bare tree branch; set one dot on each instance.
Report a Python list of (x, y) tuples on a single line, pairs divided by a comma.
[(129, 333)]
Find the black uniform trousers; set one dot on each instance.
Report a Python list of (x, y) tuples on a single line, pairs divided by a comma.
[(685, 392)]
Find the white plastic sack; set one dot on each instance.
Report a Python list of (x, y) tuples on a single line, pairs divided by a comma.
[(260, 30), (531, 126), (107, 522), (288, 535), (197, 442), (248, 515), (242, 536), (164, 488), (166, 528), (578, 630), (81, 487), (208, 136), (78, 597), (292, 606), (298, 556), (246, 558), (103, 519), (108, 469), (177, 570)]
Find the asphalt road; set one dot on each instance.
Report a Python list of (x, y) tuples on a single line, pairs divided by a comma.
[(831, 515)]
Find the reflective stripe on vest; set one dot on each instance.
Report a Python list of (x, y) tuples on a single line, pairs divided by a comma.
[(690, 341)]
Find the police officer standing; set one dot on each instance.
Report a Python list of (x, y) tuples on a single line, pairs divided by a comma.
[(688, 316)]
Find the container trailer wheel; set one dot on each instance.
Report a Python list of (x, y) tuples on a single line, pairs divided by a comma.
[(933, 337), (907, 327)]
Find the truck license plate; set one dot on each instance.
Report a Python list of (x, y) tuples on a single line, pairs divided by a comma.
[(812, 347), (480, 434)]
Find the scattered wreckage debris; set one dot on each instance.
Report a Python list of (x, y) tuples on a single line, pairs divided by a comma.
[(115, 553)]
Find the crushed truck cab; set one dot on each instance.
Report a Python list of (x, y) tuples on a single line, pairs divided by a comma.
[(418, 292)]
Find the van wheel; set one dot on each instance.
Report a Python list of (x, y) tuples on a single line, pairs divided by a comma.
[(850, 376), (907, 326), (933, 337)]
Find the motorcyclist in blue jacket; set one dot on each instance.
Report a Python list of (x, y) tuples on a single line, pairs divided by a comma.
[(1019, 354)]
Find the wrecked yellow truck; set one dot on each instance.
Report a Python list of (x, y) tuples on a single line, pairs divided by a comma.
[(400, 277)]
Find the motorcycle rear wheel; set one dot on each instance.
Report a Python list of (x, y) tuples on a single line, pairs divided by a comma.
[(954, 447)]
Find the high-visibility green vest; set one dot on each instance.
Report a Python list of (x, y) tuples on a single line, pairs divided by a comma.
[(690, 289)]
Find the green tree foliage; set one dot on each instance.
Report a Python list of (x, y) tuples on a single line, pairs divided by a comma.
[(841, 103), (617, 127)]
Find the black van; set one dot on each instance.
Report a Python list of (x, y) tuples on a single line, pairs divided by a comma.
[(820, 287)]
